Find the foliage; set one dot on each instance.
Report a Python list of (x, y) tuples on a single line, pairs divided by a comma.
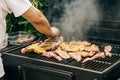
[(20, 24)]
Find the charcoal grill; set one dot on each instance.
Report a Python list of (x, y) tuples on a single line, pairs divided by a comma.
[(98, 69), (37, 67)]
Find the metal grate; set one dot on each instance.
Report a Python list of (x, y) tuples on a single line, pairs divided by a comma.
[(96, 65)]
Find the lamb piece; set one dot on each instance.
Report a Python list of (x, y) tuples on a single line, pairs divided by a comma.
[(76, 56), (51, 54), (98, 55), (62, 54)]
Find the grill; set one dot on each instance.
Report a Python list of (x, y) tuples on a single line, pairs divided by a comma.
[(32, 66), (98, 69)]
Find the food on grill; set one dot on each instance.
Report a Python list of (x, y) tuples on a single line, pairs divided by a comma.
[(65, 46), (52, 54), (107, 50), (75, 55), (37, 48), (57, 48), (62, 53), (98, 55), (79, 46), (40, 47), (104, 54), (93, 48), (87, 54)]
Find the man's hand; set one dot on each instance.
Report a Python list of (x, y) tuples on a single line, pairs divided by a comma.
[(55, 31)]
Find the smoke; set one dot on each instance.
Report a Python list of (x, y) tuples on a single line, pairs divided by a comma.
[(77, 18)]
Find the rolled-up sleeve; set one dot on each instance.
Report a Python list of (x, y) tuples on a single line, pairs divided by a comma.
[(18, 7)]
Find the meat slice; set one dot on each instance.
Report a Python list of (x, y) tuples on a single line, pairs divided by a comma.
[(71, 47), (34, 48), (93, 48), (86, 54), (107, 50), (76, 56), (52, 54), (104, 54), (62, 53), (43, 46), (86, 43), (98, 55)]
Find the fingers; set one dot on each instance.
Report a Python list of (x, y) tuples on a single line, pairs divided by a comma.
[(55, 31)]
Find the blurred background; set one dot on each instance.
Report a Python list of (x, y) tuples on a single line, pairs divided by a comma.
[(67, 14)]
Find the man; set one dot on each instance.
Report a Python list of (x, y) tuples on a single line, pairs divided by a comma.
[(29, 12)]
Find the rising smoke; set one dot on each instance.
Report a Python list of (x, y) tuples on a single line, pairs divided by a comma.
[(74, 23)]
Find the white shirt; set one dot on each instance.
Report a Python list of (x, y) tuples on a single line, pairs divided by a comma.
[(17, 7)]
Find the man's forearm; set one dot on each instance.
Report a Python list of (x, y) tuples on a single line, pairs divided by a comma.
[(38, 20), (43, 27)]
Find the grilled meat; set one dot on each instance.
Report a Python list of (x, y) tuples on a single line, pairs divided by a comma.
[(71, 47), (86, 54), (98, 55), (52, 54), (62, 53), (93, 48), (34, 48), (75, 55), (56, 48), (44, 46), (107, 50), (104, 54)]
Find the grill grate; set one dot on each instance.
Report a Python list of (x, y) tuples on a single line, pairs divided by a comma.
[(95, 65)]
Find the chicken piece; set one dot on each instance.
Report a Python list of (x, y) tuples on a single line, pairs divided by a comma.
[(93, 48), (52, 54), (64, 46), (34, 48), (62, 54), (42, 47), (104, 54), (98, 55), (86, 54), (76, 48), (71, 47), (76, 56), (107, 50), (80, 43)]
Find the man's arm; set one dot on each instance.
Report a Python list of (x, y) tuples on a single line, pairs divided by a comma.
[(38, 20)]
